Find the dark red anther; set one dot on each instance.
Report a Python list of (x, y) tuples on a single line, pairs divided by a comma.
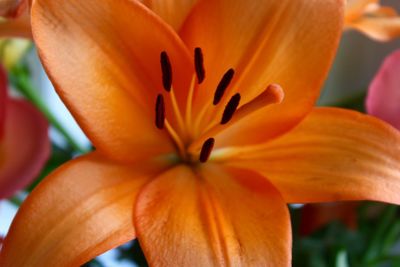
[(206, 149), (230, 108), (223, 84), (160, 111), (166, 70), (199, 65)]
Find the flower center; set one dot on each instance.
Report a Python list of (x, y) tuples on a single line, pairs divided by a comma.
[(198, 148)]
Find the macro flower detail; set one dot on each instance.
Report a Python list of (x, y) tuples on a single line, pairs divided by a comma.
[(381, 23), (203, 133), (24, 142)]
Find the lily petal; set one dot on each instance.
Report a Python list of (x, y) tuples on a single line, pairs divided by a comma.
[(24, 147), (217, 217), (13, 8), (384, 91), (378, 28), (334, 154), (110, 78), (174, 12), (80, 211), (356, 8), (291, 43)]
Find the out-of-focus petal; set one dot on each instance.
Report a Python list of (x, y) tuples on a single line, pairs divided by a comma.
[(333, 154), (80, 211), (20, 27), (356, 8), (384, 91), (379, 28), (3, 99), (13, 8), (105, 64), (24, 147), (217, 217), (315, 216), (291, 43)]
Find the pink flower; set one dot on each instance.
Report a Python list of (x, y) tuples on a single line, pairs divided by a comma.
[(24, 142), (383, 99)]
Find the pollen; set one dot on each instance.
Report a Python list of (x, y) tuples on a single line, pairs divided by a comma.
[(160, 112), (166, 70), (199, 64), (230, 108), (206, 150), (222, 86), (189, 129)]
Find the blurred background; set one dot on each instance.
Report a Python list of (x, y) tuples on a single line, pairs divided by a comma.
[(360, 234)]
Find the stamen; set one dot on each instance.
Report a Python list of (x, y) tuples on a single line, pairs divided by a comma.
[(160, 112), (273, 94), (223, 84), (166, 70), (230, 108), (206, 149), (199, 64)]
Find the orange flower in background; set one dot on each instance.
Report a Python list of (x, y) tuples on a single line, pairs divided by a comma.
[(196, 155), (15, 21), (13, 8), (24, 142), (381, 23)]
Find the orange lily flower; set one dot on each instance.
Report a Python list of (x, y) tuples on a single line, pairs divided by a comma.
[(16, 19), (24, 142), (200, 162), (381, 23)]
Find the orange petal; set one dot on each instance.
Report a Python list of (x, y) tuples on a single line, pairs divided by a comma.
[(378, 28), (80, 211), (217, 217), (24, 147), (334, 154), (105, 64), (291, 43), (356, 8), (174, 12)]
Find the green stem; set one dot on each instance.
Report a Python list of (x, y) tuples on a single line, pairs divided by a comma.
[(24, 85)]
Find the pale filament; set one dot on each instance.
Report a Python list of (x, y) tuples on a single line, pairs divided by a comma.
[(189, 107), (177, 112), (176, 139)]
